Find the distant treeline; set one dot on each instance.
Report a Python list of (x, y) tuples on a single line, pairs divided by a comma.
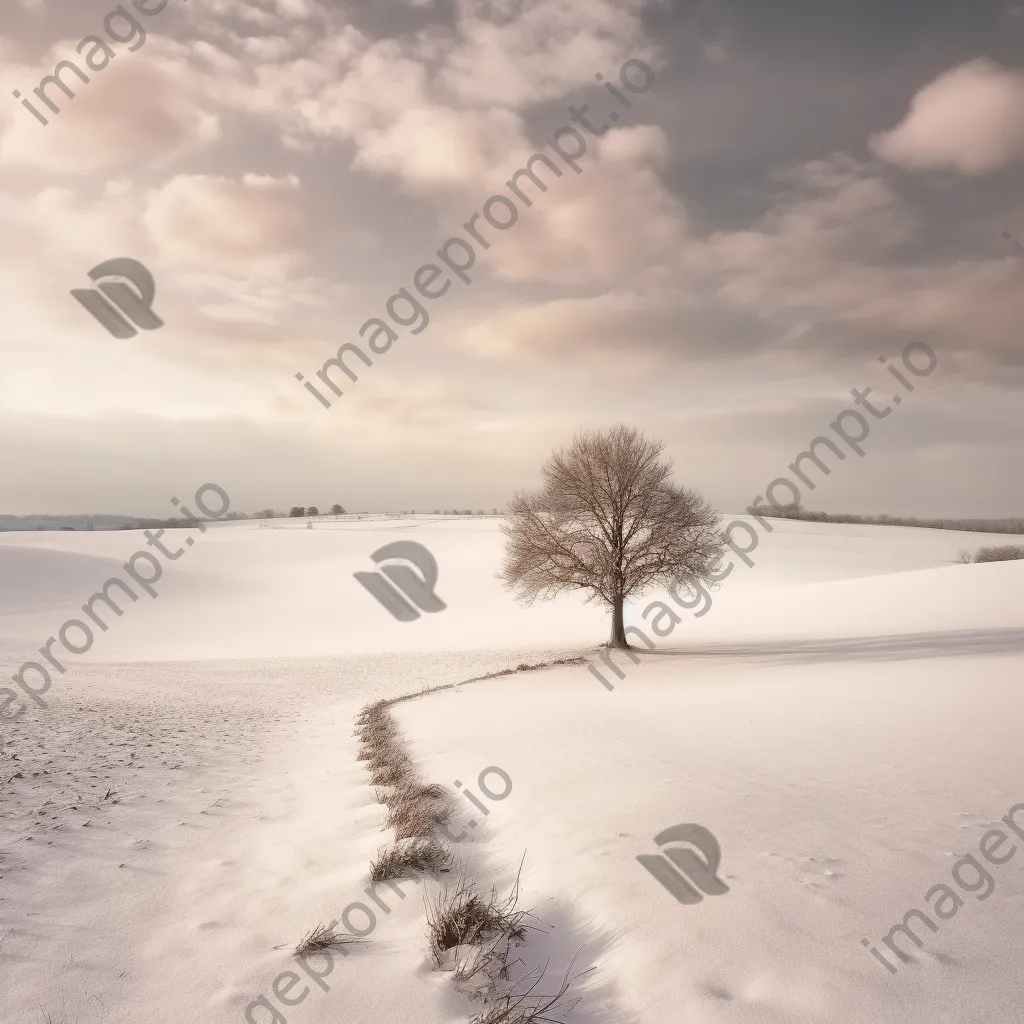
[(103, 521), (972, 525), (100, 521)]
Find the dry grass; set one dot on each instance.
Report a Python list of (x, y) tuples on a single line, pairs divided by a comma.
[(459, 915), (480, 928), (476, 931), (377, 730), (415, 810), (323, 936), (525, 1007), (483, 932), (57, 1016), (381, 747), (391, 768), (575, 659), (373, 713), (403, 857)]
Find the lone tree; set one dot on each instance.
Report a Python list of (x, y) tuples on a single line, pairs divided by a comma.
[(337, 510), (608, 521), (297, 510), (312, 511)]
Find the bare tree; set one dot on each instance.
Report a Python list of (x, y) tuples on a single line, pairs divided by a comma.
[(608, 521)]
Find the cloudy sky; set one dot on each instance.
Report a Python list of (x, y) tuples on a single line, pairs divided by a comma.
[(802, 189)]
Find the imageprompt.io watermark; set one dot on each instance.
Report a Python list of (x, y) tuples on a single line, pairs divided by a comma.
[(135, 305), (458, 254), (39, 679), (492, 769), (402, 592), (99, 56), (685, 875), (943, 901), (919, 360), (262, 1009)]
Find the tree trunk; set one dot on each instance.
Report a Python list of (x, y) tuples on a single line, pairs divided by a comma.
[(618, 637)]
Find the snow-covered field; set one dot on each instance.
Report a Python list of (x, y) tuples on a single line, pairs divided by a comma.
[(845, 721)]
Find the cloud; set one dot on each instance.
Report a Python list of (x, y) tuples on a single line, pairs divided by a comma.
[(264, 14), (518, 54), (823, 216), (387, 98), (144, 107), (432, 147), (814, 284), (613, 221), (827, 261), (620, 333), (235, 310), (255, 222), (969, 120)]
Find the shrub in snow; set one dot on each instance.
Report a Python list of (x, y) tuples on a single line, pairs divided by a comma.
[(1000, 553)]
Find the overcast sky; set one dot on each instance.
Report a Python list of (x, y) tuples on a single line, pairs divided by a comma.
[(802, 189)]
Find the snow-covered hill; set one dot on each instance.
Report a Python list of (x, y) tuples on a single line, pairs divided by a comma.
[(844, 721)]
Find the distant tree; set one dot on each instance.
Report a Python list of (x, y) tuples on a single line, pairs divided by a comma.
[(337, 510), (312, 511), (297, 510), (608, 521), (236, 515), (264, 513)]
